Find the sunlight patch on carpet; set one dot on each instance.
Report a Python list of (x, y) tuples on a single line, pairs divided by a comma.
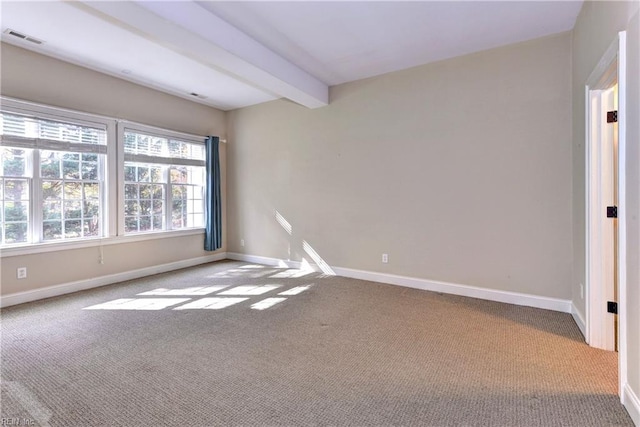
[(297, 290), (211, 303), (138, 304), (250, 290), (194, 291), (266, 303)]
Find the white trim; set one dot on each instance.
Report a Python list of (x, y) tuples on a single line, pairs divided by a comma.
[(66, 288), (577, 317), (516, 298), (508, 297), (632, 403), (160, 132), (622, 214), (275, 262)]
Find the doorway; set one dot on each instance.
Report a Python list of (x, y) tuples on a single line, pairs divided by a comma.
[(605, 205)]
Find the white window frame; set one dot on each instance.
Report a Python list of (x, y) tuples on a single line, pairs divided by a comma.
[(128, 126), (107, 199)]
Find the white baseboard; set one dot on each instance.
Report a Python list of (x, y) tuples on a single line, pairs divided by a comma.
[(457, 289), (66, 288), (577, 317), (275, 262), (631, 402), (516, 298)]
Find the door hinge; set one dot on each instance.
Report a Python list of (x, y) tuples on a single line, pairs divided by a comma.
[(612, 116), (612, 212), (612, 307)]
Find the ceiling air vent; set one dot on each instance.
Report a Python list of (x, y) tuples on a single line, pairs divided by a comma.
[(197, 95), (23, 36)]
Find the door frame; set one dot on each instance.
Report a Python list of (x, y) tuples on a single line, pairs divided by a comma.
[(595, 301)]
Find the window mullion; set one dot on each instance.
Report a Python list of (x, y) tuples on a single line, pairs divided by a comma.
[(168, 206), (36, 204)]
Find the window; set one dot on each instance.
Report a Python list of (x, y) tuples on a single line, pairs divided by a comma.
[(68, 177), (164, 179), (52, 179)]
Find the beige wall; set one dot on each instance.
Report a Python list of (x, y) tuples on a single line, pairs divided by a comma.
[(32, 77), (596, 28), (459, 170)]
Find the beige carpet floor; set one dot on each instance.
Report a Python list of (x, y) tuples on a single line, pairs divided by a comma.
[(201, 348)]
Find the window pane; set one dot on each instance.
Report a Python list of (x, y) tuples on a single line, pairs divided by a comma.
[(16, 211), (157, 222), (197, 220), (91, 190), (52, 230), (89, 170), (129, 172), (73, 228), (131, 224), (143, 174), (131, 207), (71, 169), (50, 167), (157, 174), (158, 207), (91, 210), (145, 207), (90, 227), (72, 209), (157, 191), (51, 210), (145, 191), (14, 162), (15, 232), (131, 191), (72, 190), (179, 175), (51, 190), (16, 189), (145, 223)]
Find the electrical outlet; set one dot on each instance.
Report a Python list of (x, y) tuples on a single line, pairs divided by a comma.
[(581, 291), (242, 242), (21, 272), (385, 258)]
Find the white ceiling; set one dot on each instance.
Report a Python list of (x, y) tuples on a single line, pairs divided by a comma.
[(235, 53)]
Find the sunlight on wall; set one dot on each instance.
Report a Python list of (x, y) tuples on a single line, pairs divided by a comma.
[(266, 303), (138, 304), (324, 267), (284, 223), (250, 290), (297, 290), (195, 291), (211, 303)]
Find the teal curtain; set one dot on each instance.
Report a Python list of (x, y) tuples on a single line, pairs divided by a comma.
[(213, 200)]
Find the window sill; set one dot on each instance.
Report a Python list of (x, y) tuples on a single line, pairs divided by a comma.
[(80, 244)]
